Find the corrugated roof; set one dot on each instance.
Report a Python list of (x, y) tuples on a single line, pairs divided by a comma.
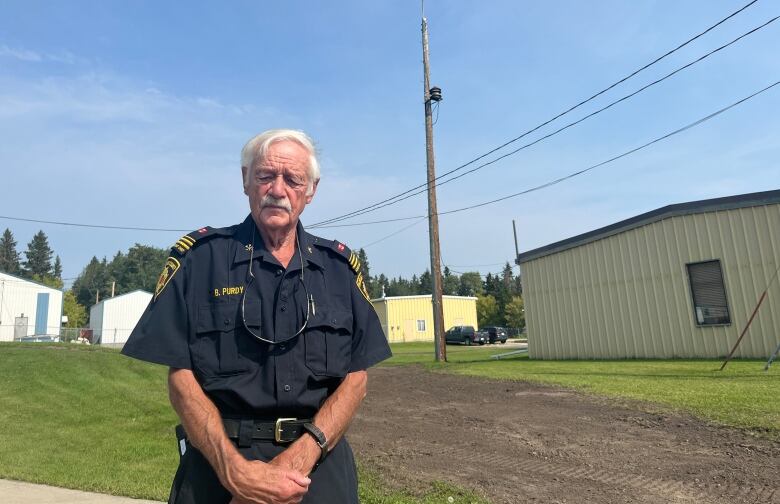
[(121, 295), (692, 207), (18, 279)]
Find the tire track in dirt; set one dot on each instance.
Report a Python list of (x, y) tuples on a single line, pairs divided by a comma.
[(517, 442), (669, 489)]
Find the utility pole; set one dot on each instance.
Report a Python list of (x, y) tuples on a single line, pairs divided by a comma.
[(431, 95), (2, 295), (517, 257)]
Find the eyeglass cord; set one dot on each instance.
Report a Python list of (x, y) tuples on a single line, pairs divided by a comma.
[(310, 307)]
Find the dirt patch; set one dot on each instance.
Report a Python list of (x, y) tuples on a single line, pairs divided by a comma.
[(516, 442)]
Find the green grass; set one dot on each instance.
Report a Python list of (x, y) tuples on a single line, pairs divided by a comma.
[(373, 490), (88, 418), (742, 395)]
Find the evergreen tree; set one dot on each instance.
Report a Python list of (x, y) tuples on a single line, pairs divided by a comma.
[(504, 286), (363, 258), (378, 284), (424, 284), (450, 283), (57, 268), (138, 269), (470, 284), (38, 255), (492, 285), (93, 280), (9, 257), (401, 287), (508, 278)]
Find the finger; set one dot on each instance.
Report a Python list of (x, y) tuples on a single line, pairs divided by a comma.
[(300, 479)]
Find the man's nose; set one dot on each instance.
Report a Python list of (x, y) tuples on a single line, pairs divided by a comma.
[(278, 186)]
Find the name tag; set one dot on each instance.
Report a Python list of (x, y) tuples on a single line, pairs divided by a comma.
[(229, 291)]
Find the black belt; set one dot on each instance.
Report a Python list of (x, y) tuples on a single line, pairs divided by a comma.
[(281, 430)]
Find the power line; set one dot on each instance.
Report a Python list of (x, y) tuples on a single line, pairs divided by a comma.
[(619, 156), (395, 233), (99, 226), (585, 170), (545, 137), (561, 114), (478, 265), (390, 201)]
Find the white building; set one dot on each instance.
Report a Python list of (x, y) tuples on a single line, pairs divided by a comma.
[(28, 309), (113, 319)]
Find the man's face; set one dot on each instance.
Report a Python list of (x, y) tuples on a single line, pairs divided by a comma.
[(277, 186)]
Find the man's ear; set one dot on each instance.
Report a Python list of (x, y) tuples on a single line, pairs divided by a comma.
[(313, 190), (243, 178)]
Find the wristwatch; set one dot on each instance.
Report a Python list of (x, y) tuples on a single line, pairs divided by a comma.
[(318, 436)]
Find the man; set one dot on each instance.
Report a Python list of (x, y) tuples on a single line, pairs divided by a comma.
[(268, 332)]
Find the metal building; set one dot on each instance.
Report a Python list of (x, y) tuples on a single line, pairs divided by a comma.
[(28, 310), (680, 281), (410, 318), (113, 319)]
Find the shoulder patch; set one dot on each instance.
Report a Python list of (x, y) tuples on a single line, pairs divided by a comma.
[(172, 265), (354, 264), (186, 242)]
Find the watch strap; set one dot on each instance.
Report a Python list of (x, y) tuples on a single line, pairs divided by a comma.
[(318, 436)]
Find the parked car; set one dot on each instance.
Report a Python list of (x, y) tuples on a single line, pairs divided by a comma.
[(495, 334), (465, 335)]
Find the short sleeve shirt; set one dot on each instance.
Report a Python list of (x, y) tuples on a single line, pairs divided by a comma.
[(209, 315)]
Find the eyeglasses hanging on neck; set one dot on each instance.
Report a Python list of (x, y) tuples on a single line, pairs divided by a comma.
[(251, 280)]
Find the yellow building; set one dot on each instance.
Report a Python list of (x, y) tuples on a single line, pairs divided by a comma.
[(410, 318)]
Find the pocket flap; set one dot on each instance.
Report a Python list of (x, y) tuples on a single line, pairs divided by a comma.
[(218, 317), (336, 319)]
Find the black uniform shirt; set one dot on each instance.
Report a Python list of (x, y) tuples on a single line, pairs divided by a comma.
[(195, 321)]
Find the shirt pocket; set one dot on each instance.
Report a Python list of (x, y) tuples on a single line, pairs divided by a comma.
[(328, 341), (216, 350)]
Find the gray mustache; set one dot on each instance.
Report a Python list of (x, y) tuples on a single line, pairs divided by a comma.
[(270, 201)]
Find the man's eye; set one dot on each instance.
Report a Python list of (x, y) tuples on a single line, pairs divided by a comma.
[(293, 182)]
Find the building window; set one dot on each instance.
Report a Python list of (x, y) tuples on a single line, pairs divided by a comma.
[(420, 326), (710, 306)]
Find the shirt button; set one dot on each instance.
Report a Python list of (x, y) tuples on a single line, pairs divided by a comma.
[(287, 388), (278, 272), (227, 321)]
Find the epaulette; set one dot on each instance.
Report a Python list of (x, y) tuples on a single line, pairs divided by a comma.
[(354, 264), (186, 242)]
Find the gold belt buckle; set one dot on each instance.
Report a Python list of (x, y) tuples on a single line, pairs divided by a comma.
[(278, 429)]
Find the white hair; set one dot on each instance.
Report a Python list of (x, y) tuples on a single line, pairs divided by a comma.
[(258, 146)]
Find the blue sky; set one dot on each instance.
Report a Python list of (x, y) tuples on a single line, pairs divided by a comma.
[(134, 114)]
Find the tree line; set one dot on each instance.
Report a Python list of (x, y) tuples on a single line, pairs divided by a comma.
[(138, 268), (499, 295)]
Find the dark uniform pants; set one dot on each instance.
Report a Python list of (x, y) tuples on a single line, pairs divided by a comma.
[(332, 482)]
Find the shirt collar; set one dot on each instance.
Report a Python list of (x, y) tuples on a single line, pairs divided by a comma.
[(249, 240)]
